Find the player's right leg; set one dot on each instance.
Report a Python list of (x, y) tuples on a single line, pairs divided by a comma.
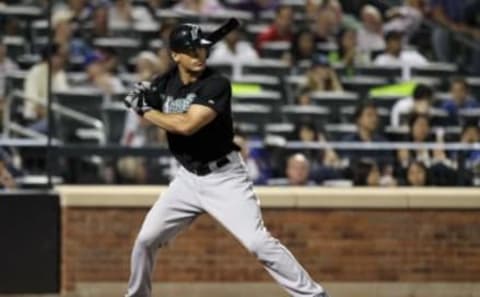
[(176, 208), (229, 197)]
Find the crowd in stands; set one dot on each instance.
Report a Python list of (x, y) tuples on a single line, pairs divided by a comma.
[(324, 44)]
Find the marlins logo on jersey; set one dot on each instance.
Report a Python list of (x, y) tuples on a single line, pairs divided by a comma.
[(178, 105)]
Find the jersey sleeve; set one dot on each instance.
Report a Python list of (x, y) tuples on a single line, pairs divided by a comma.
[(216, 94)]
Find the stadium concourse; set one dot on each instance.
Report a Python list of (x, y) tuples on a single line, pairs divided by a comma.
[(307, 76)]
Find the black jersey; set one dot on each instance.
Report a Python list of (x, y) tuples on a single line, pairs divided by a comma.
[(215, 139)]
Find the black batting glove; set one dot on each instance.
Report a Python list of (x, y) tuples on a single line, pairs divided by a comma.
[(136, 98)]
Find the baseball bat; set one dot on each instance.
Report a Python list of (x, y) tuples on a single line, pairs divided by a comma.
[(223, 30)]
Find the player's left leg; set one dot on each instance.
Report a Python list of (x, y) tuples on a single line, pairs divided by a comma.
[(228, 196)]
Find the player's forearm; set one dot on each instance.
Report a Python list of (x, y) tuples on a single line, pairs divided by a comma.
[(177, 123)]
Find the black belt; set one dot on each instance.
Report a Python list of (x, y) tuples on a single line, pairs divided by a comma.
[(209, 167)]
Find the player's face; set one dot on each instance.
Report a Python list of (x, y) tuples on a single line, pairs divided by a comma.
[(193, 60)]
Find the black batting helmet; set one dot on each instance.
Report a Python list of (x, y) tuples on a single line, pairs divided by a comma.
[(187, 37)]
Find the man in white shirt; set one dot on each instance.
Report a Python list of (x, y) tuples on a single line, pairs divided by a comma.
[(369, 35), (396, 56), (233, 50), (6, 65), (36, 86), (420, 102)]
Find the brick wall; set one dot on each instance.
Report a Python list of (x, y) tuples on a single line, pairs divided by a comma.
[(333, 244)]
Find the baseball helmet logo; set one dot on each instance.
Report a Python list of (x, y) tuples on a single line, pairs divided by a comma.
[(187, 37)]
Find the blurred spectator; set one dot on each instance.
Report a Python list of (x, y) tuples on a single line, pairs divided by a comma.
[(99, 27), (321, 76), (348, 53), (366, 119), (120, 15), (472, 18), (6, 65), (258, 169), (198, 6), (419, 127), (80, 10), (370, 35), (139, 132), (303, 47), (420, 132), (405, 18), (304, 98), (419, 103), (324, 26), (147, 13), (110, 60), (298, 171), (469, 160), (256, 7), (416, 174), (460, 99), (36, 84), (164, 61), (347, 47), (76, 47), (337, 19), (233, 49), (366, 173), (6, 179), (101, 78), (451, 15), (394, 55), (325, 162), (8, 171), (166, 28), (279, 30), (305, 131), (146, 66)]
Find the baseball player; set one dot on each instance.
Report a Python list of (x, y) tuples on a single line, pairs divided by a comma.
[(192, 103)]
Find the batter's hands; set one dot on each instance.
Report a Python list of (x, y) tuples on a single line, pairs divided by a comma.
[(136, 100)]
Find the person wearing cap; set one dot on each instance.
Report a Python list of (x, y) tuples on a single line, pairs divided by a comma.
[(321, 77), (192, 102)]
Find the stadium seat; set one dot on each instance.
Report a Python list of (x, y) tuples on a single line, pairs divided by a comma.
[(388, 72), (334, 101), (266, 82), (113, 116), (274, 49), (347, 114), (267, 67), (16, 46), (361, 84), (256, 114), (264, 97), (84, 100), (126, 47), (14, 80), (301, 113), (470, 115), (336, 132), (386, 101), (474, 84)]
